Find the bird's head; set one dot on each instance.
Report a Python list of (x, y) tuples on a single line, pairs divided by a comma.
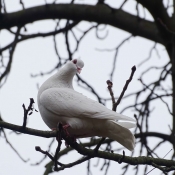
[(77, 64)]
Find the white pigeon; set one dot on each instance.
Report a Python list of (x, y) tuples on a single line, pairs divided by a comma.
[(82, 117)]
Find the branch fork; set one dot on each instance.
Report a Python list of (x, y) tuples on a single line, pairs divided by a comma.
[(28, 111)]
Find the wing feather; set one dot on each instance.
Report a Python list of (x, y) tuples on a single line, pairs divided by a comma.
[(69, 103)]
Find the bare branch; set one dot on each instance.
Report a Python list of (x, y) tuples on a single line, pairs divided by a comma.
[(99, 144), (31, 36), (81, 160), (124, 88), (37, 148), (26, 111), (99, 13), (21, 2), (11, 52), (110, 84), (149, 56), (49, 147), (157, 97), (59, 137), (5, 136)]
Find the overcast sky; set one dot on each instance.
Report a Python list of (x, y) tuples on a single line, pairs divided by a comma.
[(38, 55)]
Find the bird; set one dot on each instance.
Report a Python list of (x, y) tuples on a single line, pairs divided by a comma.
[(79, 115)]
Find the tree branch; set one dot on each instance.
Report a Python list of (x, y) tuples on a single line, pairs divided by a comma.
[(100, 154), (124, 89), (35, 132), (117, 157), (49, 134), (99, 13)]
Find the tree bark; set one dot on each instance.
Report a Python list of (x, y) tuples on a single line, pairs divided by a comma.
[(101, 14)]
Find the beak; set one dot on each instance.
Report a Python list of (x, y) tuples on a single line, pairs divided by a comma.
[(79, 70)]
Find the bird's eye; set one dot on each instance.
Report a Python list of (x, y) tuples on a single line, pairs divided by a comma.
[(74, 61)]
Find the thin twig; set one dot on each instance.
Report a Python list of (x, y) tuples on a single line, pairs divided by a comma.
[(5, 136), (169, 110), (37, 148), (49, 147), (110, 84), (26, 111), (99, 144), (122, 158), (81, 160), (125, 88), (21, 2), (59, 145), (156, 166)]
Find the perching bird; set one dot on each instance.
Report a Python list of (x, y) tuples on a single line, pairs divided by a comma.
[(82, 117)]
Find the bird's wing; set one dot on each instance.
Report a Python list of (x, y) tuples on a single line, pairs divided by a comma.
[(69, 103)]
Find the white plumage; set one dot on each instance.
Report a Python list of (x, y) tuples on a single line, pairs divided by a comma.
[(58, 102)]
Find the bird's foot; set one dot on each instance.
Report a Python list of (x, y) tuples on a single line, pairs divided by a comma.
[(65, 129)]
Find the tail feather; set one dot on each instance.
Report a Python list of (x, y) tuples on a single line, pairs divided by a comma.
[(127, 125), (120, 134), (123, 117)]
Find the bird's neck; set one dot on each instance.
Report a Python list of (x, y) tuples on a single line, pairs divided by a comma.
[(65, 81), (64, 77)]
